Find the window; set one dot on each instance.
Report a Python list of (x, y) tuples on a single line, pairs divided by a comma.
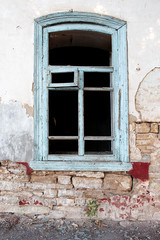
[(81, 95)]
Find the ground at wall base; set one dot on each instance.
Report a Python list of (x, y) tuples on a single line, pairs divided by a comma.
[(41, 227)]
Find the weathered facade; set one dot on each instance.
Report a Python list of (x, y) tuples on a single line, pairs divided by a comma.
[(119, 195)]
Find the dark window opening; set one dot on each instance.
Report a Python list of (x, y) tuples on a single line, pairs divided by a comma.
[(63, 113), (97, 120), (96, 79), (97, 147), (63, 147), (80, 48), (67, 77)]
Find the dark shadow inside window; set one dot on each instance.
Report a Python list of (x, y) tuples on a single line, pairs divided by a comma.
[(74, 48)]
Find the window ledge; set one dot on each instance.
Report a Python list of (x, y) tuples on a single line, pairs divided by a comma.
[(80, 166)]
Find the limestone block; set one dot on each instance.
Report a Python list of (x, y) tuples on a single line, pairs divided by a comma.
[(135, 153), (146, 136), (80, 201), (94, 194), (154, 128), (6, 185), (43, 179), (90, 174), (83, 183), (50, 193), (118, 183), (64, 179), (143, 128), (70, 193), (65, 202)]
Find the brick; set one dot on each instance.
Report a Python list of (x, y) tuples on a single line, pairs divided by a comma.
[(50, 203), (85, 183), (64, 179), (144, 142), (43, 179), (65, 202), (38, 193), (9, 199), (6, 185), (70, 193), (154, 128), (90, 174), (3, 170), (118, 183), (50, 193), (147, 136), (94, 194), (6, 162), (80, 202), (142, 127), (39, 186)]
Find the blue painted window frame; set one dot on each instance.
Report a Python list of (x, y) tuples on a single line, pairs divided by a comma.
[(119, 160)]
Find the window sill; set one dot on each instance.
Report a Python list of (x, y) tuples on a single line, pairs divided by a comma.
[(80, 166)]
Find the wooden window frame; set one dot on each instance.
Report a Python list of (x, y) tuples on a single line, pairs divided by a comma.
[(119, 160)]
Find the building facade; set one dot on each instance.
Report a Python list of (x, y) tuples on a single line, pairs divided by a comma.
[(79, 104)]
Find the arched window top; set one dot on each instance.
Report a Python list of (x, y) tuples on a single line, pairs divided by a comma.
[(80, 17)]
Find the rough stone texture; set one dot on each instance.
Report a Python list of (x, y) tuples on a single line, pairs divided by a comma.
[(154, 128), (84, 183), (64, 179), (70, 193), (65, 202), (135, 153), (117, 183), (143, 128), (148, 97), (118, 196), (43, 179), (90, 174)]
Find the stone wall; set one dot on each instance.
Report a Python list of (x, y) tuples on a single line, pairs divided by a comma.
[(118, 195)]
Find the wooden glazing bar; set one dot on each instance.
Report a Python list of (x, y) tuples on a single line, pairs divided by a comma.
[(98, 89), (81, 115), (63, 88), (100, 138), (60, 68), (63, 137)]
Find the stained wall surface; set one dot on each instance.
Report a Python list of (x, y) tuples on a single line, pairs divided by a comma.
[(16, 111)]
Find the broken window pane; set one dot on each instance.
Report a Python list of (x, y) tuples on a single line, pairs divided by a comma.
[(63, 113), (97, 113), (67, 77), (96, 79), (63, 147), (98, 147)]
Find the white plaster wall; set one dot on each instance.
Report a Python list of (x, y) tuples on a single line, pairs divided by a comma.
[(17, 42)]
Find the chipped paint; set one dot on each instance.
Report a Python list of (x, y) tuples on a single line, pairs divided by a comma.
[(140, 170), (148, 97), (16, 133), (29, 169), (29, 110), (132, 118)]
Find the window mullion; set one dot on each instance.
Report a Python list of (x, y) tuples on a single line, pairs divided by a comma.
[(81, 114)]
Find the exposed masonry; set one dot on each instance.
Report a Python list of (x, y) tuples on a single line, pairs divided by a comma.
[(65, 194)]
